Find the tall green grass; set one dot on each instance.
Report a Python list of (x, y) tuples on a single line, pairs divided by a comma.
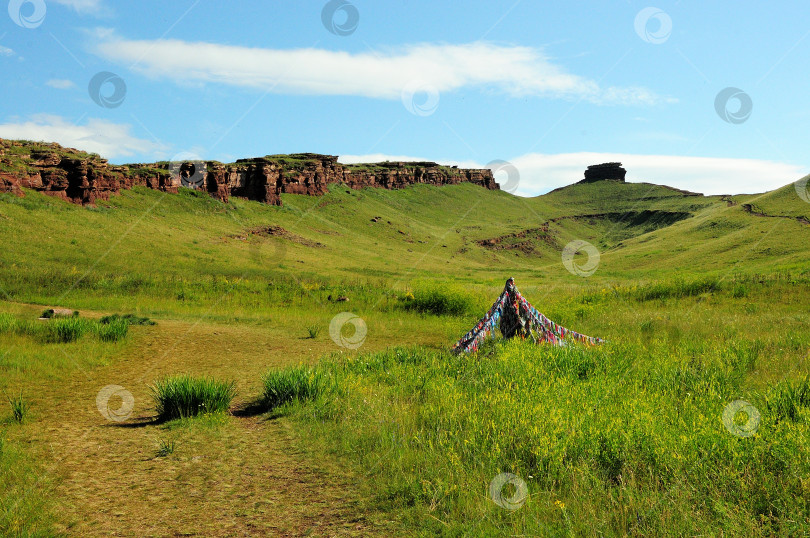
[(787, 400), (26, 505), (63, 330), (629, 438), (113, 330), (441, 298), (184, 396), (19, 408), (299, 383)]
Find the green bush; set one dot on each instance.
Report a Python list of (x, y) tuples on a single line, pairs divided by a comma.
[(298, 383), (183, 396), (440, 299), (129, 319)]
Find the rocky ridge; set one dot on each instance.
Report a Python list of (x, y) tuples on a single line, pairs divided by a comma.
[(84, 178)]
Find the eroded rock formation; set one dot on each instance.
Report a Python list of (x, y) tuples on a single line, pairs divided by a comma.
[(84, 178), (599, 172)]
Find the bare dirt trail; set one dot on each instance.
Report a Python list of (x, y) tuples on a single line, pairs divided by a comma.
[(235, 476)]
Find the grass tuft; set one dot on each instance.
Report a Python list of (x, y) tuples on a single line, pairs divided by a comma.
[(112, 331), (314, 331), (64, 330), (165, 448), (290, 384), (440, 299), (19, 408), (183, 396), (786, 399)]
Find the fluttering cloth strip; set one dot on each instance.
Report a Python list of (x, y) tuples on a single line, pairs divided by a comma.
[(517, 317)]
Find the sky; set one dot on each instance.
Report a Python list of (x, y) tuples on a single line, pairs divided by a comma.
[(705, 96)]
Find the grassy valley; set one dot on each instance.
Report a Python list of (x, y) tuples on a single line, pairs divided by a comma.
[(371, 426)]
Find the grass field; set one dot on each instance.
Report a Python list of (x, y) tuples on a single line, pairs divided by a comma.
[(367, 425)]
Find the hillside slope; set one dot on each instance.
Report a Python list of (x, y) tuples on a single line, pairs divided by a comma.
[(463, 231)]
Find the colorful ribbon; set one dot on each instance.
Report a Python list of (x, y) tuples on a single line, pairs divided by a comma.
[(538, 326)]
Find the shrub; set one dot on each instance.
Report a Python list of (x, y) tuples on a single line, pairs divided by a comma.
[(185, 396), (440, 299), (129, 319), (298, 383)]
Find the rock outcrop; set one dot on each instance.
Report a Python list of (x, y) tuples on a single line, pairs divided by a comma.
[(83, 178), (609, 171)]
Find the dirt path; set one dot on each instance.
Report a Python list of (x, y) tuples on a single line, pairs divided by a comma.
[(234, 476)]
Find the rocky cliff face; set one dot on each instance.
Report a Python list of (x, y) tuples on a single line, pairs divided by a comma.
[(84, 178)]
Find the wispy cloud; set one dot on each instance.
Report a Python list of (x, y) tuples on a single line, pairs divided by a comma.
[(383, 74), (60, 84), (540, 173), (110, 140), (85, 7), (5, 51)]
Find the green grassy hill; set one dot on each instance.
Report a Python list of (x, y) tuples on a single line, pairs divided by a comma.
[(143, 238)]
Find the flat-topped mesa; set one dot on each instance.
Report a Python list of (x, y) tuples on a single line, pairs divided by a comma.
[(83, 178), (604, 171)]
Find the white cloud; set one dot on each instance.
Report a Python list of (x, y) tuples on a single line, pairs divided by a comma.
[(110, 140), (383, 74), (60, 84), (5, 51), (92, 7), (541, 173)]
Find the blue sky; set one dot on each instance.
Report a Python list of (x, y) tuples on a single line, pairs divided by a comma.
[(547, 86)]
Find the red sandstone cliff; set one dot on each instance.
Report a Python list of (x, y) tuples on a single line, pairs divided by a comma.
[(84, 178)]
